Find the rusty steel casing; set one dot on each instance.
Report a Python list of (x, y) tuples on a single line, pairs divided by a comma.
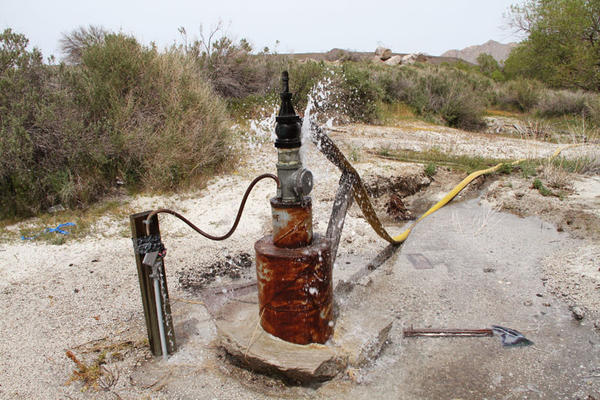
[(292, 223), (295, 290)]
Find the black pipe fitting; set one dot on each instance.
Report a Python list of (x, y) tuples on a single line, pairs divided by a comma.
[(289, 125)]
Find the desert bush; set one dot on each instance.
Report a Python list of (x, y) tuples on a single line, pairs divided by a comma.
[(231, 67), (592, 108), (159, 121), (448, 95), (555, 103), (360, 92), (37, 121), (521, 94), (125, 113)]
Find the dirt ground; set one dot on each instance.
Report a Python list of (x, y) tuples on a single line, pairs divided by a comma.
[(500, 253)]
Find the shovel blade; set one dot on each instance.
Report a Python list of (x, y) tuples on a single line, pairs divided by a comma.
[(510, 337)]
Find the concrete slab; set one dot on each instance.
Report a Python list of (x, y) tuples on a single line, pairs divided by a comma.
[(358, 338)]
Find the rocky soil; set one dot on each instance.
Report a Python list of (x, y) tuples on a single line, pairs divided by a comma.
[(83, 296)]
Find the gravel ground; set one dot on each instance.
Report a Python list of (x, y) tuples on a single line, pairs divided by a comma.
[(83, 296)]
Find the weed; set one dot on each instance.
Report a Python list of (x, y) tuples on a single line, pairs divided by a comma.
[(354, 155), (556, 175), (88, 375), (544, 191), (506, 168), (385, 151), (430, 170), (528, 169)]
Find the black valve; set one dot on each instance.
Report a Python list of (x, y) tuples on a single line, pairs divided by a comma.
[(289, 125)]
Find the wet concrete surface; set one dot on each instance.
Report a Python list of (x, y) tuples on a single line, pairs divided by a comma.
[(482, 270), (466, 266)]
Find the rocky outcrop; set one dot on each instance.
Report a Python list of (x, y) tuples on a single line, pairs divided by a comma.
[(394, 60)]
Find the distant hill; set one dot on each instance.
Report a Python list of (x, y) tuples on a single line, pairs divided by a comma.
[(349, 55), (497, 50)]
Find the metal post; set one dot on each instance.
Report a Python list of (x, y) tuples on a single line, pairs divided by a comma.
[(150, 295), (341, 204)]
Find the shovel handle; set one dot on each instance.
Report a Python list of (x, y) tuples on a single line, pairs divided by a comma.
[(447, 332)]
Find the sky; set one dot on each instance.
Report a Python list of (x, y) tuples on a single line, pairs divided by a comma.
[(428, 26)]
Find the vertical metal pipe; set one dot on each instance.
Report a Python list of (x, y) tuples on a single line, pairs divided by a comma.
[(148, 291), (159, 310)]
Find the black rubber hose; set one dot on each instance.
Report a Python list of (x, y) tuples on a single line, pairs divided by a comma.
[(200, 231)]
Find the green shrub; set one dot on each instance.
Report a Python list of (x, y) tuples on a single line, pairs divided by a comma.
[(360, 93), (303, 78), (449, 95), (126, 113), (521, 94), (430, 170), (563, 102)]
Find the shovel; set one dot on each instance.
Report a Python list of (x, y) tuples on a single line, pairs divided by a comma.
[(509, 337)]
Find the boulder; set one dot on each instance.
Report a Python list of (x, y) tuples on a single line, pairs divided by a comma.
[(413, 58), (395, 60), (376, 60), (383, 53), (409, 59)]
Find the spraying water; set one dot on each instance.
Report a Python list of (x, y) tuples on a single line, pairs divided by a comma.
[(321, 100)]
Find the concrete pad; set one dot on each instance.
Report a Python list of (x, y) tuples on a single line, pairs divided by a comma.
[(358, 338), (242, 337)]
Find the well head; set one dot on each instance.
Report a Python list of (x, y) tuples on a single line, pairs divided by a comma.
[(289, 125)]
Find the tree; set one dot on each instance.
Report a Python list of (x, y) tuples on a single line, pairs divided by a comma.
[(489, 67), (562, 47), (74, 44)]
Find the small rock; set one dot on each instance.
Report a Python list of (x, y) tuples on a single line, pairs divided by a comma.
[(488, 270), (95, 260), (383, 53), (539, 295), (547, 304), (56, 208), (528, 303), (578, 313)]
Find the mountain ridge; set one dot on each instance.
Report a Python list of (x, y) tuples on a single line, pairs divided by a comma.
[(499, 51)]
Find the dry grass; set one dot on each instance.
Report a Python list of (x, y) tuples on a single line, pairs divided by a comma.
[(85, 220), (556, 176)]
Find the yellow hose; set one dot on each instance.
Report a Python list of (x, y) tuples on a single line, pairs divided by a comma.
[(324, 143), (458, 188)]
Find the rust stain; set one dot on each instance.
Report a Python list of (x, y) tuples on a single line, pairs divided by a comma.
[(295, 290), (292, 224)]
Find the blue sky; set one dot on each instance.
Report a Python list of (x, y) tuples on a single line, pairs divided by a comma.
[(430, 26)]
